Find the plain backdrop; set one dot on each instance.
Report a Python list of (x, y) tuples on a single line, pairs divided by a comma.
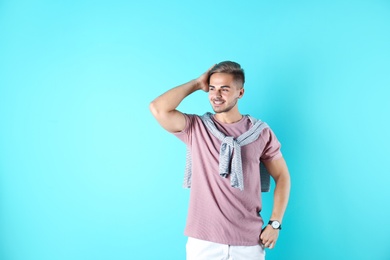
[(86, 173)]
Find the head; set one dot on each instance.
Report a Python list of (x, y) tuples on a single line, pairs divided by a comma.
[(226, 86), (232, 68)]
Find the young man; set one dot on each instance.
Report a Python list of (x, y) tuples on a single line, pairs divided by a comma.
[(225, 150)]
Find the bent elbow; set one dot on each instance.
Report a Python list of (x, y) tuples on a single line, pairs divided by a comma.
[(153, 108)]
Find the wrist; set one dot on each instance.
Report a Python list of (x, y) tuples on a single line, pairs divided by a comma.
[(198, 84), (275, 224), (276, 216)]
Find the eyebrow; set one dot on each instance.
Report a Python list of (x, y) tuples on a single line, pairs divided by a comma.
[(220, 87)]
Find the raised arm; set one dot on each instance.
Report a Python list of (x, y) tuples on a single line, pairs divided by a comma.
[(279, 172), (164, 107)]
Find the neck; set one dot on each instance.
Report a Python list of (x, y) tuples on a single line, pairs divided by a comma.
[(228, 117)]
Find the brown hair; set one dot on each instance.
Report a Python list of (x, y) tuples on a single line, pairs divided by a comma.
[(229, 67)]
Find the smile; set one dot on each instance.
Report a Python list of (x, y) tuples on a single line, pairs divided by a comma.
[(218, 102)]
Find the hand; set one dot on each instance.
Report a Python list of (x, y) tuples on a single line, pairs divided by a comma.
[(269, 236), (203, 80)]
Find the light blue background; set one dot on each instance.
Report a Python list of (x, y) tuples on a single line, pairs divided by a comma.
[(86, 172)]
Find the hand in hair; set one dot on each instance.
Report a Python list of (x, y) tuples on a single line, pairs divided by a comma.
[(203, 80)]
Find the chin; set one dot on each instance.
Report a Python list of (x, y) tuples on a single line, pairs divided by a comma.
[(220, 111), (216, 110)]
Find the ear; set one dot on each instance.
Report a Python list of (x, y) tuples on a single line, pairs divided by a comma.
[(241, 92)]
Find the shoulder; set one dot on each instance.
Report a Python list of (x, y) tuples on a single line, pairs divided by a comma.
[(266, 132), (191, 121), (192, 117)]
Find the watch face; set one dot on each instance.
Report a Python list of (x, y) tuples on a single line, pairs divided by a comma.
[(275, 224)]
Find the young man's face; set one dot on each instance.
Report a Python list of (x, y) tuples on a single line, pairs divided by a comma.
[(224, 92)]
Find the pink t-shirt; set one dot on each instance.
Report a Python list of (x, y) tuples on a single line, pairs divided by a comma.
[(218, 212)]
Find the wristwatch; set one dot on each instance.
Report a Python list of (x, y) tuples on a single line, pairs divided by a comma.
[(275, 224)]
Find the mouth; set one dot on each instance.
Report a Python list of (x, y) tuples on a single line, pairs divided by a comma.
[(218, 102)]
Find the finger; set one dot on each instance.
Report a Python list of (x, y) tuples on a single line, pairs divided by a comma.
[(272, 244), (262, 234), (264, 240), (266, 243)]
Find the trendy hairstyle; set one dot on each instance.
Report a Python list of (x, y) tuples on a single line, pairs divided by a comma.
[(229, 67)]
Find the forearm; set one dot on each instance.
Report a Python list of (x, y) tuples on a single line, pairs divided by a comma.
[(164, 107), (171, 99), (269, 235), (281, 196)]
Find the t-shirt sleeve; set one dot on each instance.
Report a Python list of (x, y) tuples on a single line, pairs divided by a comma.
[(272, 146), (185, 134)]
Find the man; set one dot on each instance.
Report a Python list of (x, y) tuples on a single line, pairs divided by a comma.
[(224, 219)]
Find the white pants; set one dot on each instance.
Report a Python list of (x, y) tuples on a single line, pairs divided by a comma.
[(205, 250)]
